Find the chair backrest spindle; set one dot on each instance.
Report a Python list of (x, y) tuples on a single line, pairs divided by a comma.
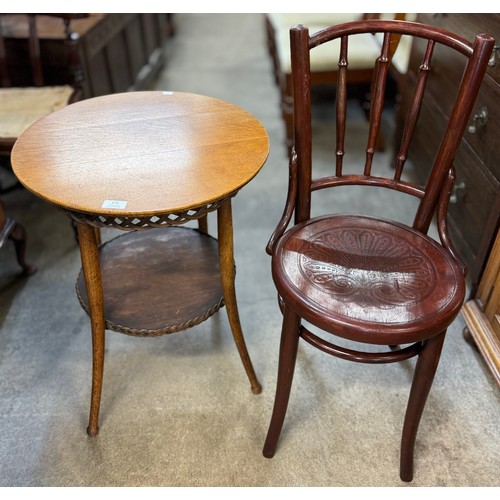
[(477, 54), (377, 105), (414, 111), (341, 108)]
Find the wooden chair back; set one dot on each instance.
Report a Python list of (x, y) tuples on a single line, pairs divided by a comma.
[(435, 194)]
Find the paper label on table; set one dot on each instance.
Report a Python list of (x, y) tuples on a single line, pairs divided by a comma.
[(118, 204)]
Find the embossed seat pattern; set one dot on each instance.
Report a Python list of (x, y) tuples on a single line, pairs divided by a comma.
[(356, 269)]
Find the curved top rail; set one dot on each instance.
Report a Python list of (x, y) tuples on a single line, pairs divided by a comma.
[(400, 27)]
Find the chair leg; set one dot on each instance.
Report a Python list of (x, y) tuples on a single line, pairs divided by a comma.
[(18, 237), (425, 369), (287, 357)]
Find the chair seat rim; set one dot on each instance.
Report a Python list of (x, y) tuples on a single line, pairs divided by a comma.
[(360, 330)]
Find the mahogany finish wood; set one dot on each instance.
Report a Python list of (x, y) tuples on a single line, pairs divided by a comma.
[(147, 160), (474, 216), (364, 278)]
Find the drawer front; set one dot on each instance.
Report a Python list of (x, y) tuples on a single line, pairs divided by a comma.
[(473, 219), (446, 70), (474, 215), (483, 136), (425, 143), (468, 26), (447, 65)]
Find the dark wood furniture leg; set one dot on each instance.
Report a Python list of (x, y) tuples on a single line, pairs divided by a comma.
[(18, 237), (93, 282), (425, 370), (227, 270), (12, 230), (287, 357)]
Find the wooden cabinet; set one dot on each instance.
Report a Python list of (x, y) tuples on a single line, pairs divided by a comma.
[(118, 52), (482, 313), (475, 212)]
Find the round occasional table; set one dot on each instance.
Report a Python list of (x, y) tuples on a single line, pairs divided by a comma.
[(147, 160)]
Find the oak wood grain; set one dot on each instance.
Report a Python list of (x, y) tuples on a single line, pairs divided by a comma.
[(158, 152)]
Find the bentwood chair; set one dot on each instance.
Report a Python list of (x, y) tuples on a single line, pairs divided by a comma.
[(367, 279)]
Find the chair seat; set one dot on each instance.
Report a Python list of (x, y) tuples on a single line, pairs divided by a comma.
[(368, 279), (20, 107)]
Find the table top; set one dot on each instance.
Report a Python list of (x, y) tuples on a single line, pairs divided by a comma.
[(140, 153)]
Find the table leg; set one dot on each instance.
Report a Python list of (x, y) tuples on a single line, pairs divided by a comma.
[(203, 225), (93, 282), (226, 257)]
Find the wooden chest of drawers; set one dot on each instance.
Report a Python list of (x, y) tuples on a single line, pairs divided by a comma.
[(475, 211), (475, 214), (482, 314)]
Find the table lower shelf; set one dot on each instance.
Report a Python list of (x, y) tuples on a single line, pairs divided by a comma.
[(158, 281)]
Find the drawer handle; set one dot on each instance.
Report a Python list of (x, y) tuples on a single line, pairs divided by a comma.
[(494, 56), (479, 120), (457, 193)]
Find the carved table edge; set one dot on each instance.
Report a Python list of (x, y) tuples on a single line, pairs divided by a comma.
[(140, 222)]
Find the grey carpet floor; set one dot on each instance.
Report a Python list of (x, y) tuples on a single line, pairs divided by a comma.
[(178, 410)]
